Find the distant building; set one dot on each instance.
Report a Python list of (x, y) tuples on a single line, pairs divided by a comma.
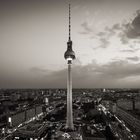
[(104, 90), (46, 101)]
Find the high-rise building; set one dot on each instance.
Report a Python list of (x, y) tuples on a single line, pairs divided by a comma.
[(69, 56)]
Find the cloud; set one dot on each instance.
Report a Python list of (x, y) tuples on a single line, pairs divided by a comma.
[(135, 58), (110, 31), (101, 34), (123, 31), (109, 75), (104, 36), (104, 43), (87, 29), (116, 26), (39, 70), (123, 38), (128, 51), (118, 70), (92, 75), (132, 30)]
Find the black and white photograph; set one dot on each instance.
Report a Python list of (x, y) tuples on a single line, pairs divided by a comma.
[(69, 69)]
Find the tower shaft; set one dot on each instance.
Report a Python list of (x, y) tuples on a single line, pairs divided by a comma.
[(69, 123)]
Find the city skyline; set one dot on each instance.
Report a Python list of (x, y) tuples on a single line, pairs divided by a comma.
[(105, 38)]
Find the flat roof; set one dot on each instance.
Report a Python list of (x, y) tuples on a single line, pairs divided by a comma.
[(92, 132), (31, 130)]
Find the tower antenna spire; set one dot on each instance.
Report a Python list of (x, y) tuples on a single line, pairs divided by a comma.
[(69, 22)]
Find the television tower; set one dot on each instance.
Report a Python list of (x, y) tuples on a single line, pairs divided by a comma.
[(69, 56)]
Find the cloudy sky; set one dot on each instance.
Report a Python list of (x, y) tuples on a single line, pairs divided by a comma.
[(105, 35)]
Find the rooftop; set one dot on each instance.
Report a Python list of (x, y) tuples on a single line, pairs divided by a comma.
[(32, 130), (91, 132)]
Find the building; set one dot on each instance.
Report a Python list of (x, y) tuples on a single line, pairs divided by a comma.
[(34, 130), (89, 132), (69, 56), (23, 116)]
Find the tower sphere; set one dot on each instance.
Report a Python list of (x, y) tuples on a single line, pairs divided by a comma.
[(69, 52)]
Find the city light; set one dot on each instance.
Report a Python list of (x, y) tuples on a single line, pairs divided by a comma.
[(9, 120)]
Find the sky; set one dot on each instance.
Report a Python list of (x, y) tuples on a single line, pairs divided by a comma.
[(34, 35)]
